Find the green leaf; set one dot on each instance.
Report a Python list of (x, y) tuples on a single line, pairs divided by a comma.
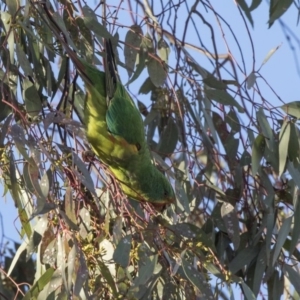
[(251, 79), (277, 9), (13, 6), (62, 26), (200, 70), (192, 232), (85, 224), (140, 66), (284, 138), (269, 220), (146, 269), (265, 128), (293, 276), (45, 183), (282, 236), (117, 230), (276, 285), (213, 82), (122, 252), (255, 4), (293, 148), (85, 178), (231, 146), (197, 279), (81, 271), (39, 284), (292, 108), (247, 291), (163, 50), (132, 40), (232, 120), (258, 150), (271, 52), (92, 22), (182, 197), (294, 172), (27, 179), (23, 61), (17, 133), (70, 209), (156, 71), (243, 258), (168, 139), (32, 98), (223, 97), (147, 87), (245, 159), (260, 268), (108, 277), (296, 227), (246, 10), (48, 248), (231, 222)]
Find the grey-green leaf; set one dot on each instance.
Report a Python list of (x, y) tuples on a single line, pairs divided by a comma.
[(223, 97), (284, 138), (92, 22), (197, 279), (282, 236), (32, 98), (231, 222), (163, 50), (168, 139), (258, 150), (292, 108), (156, 71), (277, 9), (23, 60), (132, 41), (122, 252)]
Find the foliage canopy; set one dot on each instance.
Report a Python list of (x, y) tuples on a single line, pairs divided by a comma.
[(232, 157)]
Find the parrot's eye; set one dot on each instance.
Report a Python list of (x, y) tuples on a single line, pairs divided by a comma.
[(166, 193)]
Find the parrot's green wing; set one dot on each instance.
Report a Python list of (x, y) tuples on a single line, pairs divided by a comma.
[(122, 117), (125, 121)]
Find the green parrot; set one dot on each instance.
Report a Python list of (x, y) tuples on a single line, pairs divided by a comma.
[(115, 130)]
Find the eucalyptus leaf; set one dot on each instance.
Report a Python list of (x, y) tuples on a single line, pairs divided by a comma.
[(282, 236), (258, 150), (292, 108), (284, 138), (231, 222), (132, 45), (168, 139), (91, 21), (163, 50), (197, 279), (156, 71), (122, 252), (223, 97), (243, 258), (45, 279), (277, 9), (246, 10), (32, 98)]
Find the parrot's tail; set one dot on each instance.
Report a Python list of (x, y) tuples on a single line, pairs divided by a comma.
[(111, 72)]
